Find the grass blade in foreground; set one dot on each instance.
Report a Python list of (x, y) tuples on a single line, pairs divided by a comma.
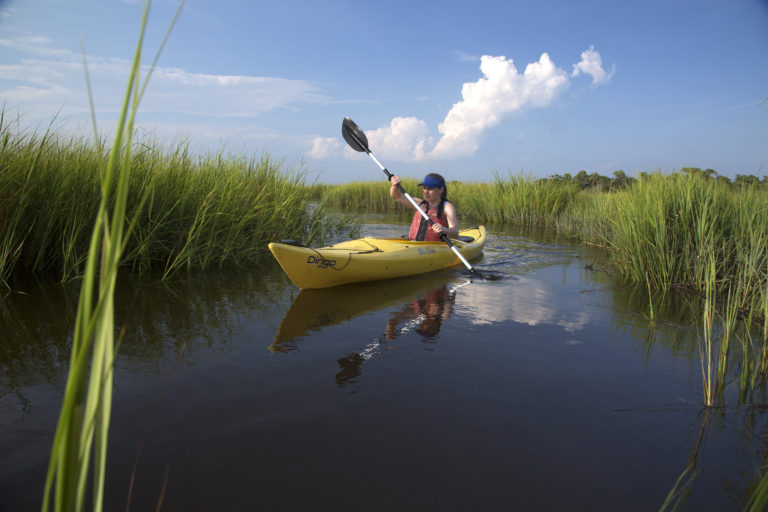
[(85, 413)]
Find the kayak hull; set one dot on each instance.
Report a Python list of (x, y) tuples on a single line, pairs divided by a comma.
[(372, 259)]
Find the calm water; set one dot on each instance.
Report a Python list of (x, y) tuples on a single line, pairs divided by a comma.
[(547, 390)]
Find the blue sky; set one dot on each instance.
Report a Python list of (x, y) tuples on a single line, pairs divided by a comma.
[(462, 88)]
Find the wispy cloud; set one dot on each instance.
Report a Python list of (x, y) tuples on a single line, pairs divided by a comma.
[(6, 12), (45, 80), (465, 57)]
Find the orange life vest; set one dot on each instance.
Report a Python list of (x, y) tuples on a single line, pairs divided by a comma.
[(420, 229)]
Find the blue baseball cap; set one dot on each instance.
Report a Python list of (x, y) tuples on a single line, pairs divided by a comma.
[(431, 182)]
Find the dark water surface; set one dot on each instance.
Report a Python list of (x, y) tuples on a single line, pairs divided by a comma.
[(547, 390)]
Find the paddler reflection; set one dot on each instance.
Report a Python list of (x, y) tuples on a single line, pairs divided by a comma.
[(313, 311), (425, 315)]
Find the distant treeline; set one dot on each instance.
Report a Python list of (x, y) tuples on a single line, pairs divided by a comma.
[(620, 180)]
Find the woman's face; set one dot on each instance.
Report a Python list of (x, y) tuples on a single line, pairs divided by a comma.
[(432, 195)]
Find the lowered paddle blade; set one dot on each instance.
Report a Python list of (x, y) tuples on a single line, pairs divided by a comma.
[(485, 275), (354, 136)]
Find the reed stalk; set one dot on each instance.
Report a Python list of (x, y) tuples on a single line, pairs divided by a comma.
[(706, 341), (82, 430), (758, 500)]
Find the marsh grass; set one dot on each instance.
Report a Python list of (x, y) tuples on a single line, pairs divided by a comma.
[(76, 208), (83, 426), (758, 500), (365, 196), (516, 200), (201, 211), (681, 231), (664, 230)]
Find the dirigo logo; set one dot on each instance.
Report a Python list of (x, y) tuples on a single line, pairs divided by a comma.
[(320, 262)]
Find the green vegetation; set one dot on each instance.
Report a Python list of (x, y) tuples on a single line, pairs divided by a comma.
[(362, 196), (83, 426), (666, 230), (77, 209), (202, 211), (691, 230)]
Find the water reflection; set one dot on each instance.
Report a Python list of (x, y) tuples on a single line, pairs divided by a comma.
[(313, 310), (37, 319), (530, 369), (525, 300), (424, 316)]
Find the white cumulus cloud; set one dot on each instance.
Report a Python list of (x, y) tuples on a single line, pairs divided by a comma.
[(406, 138), (485, 102), (324, 147), (499, 93), (592, 64)]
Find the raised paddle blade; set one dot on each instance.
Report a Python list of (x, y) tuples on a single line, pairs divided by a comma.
[(354, 136)]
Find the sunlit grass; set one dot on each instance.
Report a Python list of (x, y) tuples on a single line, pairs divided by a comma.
[(83, 427), (364, 196), (201, 211), (73, 207), (682, 231), (662, 229)]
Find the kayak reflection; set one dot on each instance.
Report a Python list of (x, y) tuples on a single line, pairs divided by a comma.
[(314, 310), (420, 304), (424, 315)]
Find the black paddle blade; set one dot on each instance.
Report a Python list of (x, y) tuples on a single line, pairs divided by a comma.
[(354, 136), (485, 275)]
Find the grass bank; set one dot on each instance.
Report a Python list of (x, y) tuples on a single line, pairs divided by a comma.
[(667, 230), (686, 230), (200, 211)]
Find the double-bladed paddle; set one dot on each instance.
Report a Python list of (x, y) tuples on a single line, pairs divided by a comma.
[(357, 140)]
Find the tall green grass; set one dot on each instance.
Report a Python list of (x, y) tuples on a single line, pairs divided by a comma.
[(663, 229), (201, 211), (707, 237), (515, 199), (682, 231), (83, 427), (75, 208), (363, 196)]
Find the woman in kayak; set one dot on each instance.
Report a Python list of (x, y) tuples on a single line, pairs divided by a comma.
[(441, 211)]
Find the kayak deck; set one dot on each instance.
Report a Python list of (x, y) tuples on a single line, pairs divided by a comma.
[(372, 259)]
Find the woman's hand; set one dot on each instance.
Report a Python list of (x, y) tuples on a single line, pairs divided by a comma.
[(394, 192), (442, 230)]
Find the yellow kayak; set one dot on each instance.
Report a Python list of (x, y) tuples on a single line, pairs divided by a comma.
[(372, 259)]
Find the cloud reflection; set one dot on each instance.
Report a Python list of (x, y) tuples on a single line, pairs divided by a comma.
[(524, 300)]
